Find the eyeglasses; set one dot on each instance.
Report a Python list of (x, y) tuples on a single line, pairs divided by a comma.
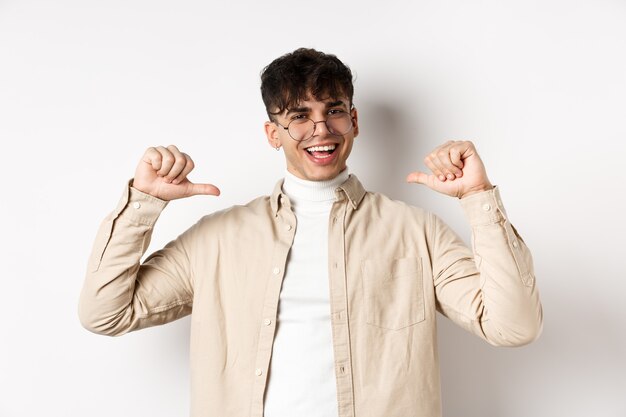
[(338, 123)]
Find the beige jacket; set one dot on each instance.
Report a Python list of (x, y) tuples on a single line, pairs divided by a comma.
[(391, 267)]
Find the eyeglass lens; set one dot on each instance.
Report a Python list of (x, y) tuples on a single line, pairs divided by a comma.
[(337, 124)]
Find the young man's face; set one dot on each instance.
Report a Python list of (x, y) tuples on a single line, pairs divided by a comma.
[(322, 156)]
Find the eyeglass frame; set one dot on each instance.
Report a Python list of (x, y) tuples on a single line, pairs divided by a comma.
[(315, 125)]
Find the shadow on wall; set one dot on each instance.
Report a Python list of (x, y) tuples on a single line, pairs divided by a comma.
[(382, 150), (393, 143)]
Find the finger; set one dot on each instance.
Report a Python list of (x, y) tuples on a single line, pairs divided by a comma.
[(432, 182), (203, 189), (167, 161), (179, 163), (152, 157), (444, 158), (456, 159), (189, 166), (419, 177), (467, 149), (432, 162)]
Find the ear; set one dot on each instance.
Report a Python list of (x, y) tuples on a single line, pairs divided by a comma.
[(355, 121), (271, 132)]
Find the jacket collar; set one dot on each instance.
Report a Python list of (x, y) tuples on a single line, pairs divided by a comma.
[(351, 188)]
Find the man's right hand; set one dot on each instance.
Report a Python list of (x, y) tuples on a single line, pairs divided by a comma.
[(162, 173)]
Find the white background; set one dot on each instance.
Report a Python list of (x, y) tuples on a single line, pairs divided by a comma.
[(86, 87)]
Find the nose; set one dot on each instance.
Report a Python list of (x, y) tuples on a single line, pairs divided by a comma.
[(324, 127)]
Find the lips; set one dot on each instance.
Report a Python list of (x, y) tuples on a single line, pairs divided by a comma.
[(321, 151)]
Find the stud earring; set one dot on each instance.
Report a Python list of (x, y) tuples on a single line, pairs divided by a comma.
[(277, 147)]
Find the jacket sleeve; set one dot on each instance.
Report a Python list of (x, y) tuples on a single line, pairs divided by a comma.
[(119, 293), (489, 290)]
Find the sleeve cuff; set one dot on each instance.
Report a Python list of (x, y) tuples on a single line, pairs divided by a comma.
[(139, 207), (484, 208)]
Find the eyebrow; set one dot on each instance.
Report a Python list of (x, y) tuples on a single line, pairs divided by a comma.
[(308, 109)]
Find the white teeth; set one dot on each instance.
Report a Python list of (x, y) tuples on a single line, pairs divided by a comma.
[(321, 148)]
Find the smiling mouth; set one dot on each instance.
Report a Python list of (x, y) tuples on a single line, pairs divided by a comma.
[(321, 152)]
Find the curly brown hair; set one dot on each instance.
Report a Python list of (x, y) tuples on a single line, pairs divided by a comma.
[(305, 72)]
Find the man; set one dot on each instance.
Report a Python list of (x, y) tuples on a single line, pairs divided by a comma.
[(320, 299)]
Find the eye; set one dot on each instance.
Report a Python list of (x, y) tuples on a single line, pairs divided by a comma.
[(335, 111), (298, 117)]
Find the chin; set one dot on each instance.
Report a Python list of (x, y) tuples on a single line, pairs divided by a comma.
[(316, 173), (323, 176)]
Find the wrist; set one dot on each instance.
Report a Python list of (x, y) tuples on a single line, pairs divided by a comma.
[(476, 190)]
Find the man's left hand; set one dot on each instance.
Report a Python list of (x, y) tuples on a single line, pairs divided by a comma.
[(457, 170)]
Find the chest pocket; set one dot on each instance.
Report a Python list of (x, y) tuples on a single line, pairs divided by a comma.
[(393, 292)]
